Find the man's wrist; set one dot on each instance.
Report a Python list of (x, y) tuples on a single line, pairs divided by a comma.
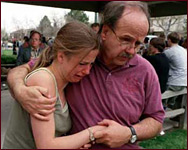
[(133, 137), (18, 90)]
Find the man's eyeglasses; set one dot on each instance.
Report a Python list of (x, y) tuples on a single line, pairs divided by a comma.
[(126, 44), (35, 40)]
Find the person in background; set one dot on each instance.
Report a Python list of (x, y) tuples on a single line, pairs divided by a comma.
[(44, 40), (24, 45), (184, 44), (95, 27), (26, 42), (159, 61), (53, 70), (32, 51), (177, 56), (162, 36), (122, 90), (14, 47), (22, 48), (145, 48), (181, 40), (50, 42)]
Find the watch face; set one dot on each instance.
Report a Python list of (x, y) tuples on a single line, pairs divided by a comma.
[(92, 138), (133, 139)]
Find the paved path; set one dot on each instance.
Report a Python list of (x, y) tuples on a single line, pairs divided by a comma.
[(6, 104)]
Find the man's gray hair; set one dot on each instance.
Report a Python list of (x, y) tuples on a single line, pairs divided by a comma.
[(114, 10)]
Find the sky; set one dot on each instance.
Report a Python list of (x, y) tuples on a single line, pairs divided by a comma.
[(29, 16)]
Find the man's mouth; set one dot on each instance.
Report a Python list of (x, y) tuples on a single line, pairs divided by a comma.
[(126, 55)]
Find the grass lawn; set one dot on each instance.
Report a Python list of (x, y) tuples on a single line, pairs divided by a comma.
[(176, 139), (7, 52)]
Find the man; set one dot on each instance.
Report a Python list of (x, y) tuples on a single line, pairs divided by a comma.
[(177, 56), (95, 27), (14, 47), (25, 44), (29, 52), (159, 61), (122, 91)]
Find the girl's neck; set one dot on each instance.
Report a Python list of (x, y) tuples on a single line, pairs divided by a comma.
[(60, 80)]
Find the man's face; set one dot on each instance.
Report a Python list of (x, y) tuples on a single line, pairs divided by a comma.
[(120, 44), (96, 29), (152, 49), (35, 40), (169, 42)]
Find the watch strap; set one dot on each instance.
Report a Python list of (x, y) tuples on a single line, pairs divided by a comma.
[(132, 130), (91, 135)]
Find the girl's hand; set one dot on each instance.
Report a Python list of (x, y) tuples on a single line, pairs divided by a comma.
[(86, 146)]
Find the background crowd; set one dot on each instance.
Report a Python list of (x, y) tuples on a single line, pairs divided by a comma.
[(157, 51)]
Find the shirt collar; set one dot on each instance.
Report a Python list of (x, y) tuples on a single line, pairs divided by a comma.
[(34, 49)]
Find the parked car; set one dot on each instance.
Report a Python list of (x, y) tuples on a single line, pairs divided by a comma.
[(151, 36), (9, 46)]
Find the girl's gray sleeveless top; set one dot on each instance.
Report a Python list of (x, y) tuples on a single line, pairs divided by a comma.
[(19, 132)]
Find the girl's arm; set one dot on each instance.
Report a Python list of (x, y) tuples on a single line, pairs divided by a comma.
[(44, 136), (44, 131), (31, 97)]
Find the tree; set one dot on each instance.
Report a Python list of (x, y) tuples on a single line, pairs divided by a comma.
[(45, 27), (57, 22), (29, 23), (185, 27), (17, 23), (167, 23), (77, 15), (4, 35)]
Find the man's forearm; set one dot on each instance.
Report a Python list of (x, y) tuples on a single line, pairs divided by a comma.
[(147, 128), (16, 77)]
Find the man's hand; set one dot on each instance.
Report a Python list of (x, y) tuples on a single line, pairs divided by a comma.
[(36, 101), (115, 135)]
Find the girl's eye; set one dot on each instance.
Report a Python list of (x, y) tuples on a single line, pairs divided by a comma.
[(81, 64)]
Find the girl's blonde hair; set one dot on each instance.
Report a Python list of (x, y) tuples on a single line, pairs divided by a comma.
[(73, 38)]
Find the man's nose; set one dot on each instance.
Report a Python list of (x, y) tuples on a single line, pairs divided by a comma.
[(130, 48)]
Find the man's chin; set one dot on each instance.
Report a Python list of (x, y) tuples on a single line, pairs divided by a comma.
[(117, 64), (122, 61)]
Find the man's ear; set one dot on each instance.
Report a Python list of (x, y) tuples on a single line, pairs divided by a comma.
[(60, 57), (104, 32)]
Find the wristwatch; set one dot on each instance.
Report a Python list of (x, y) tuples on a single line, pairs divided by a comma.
[(91, 136), (133, 136)]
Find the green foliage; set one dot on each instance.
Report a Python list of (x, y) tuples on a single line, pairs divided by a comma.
[(45, 27), (171, 140), (44, 23), (77, 15), (7, 57)]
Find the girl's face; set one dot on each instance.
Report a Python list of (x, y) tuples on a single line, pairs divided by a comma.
[(75, 69)]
